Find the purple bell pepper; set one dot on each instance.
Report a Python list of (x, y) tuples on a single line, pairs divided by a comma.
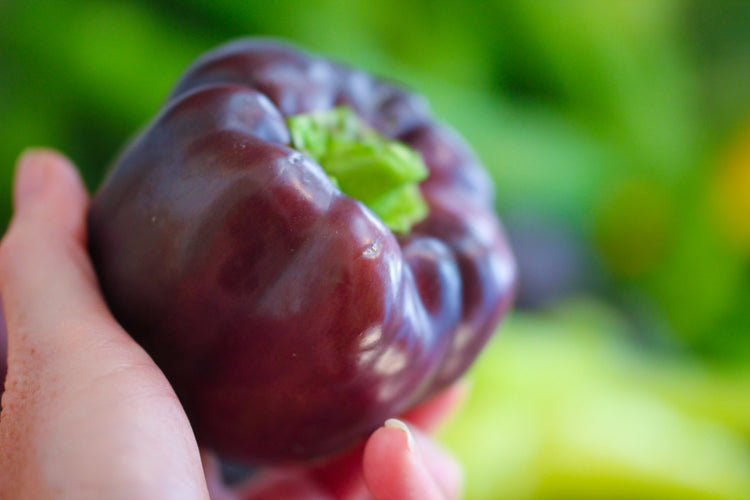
[(289, 317)]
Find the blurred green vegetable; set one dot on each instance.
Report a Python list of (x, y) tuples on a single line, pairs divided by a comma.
[(565, 407), (624, 122)]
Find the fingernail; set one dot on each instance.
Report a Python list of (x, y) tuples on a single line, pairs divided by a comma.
[(395, 423), (31, 174)]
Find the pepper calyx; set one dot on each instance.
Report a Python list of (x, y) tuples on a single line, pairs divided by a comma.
[(381, 173)]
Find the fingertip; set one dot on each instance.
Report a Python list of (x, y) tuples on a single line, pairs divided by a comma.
[(394, 423), (44, 248), (46, 175), (394, 467)]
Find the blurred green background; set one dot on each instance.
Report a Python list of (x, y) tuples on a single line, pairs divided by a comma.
[(618, 135)]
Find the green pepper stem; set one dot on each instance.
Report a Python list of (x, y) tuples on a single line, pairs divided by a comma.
[(381, 173)]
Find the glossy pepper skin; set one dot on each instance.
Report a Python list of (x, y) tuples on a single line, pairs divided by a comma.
[(290, 321)]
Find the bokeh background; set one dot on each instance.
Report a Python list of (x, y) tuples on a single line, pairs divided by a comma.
[(618, 136)]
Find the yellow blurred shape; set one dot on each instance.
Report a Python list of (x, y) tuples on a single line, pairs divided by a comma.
[(730, 193)]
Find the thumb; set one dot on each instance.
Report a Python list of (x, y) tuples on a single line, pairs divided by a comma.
[(86, 413)]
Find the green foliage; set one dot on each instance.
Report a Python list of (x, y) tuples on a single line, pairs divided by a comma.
[(579, 411), (616, 117)]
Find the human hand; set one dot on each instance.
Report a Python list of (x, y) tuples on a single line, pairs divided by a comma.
[(87, 414)]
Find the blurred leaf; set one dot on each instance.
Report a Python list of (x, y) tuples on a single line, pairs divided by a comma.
[(634, 227), (729, 194), (719, 42), (562, 407), (700, 280), (622, 70), (108, 64)]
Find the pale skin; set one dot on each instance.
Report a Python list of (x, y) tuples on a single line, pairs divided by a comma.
[(86, 414)]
